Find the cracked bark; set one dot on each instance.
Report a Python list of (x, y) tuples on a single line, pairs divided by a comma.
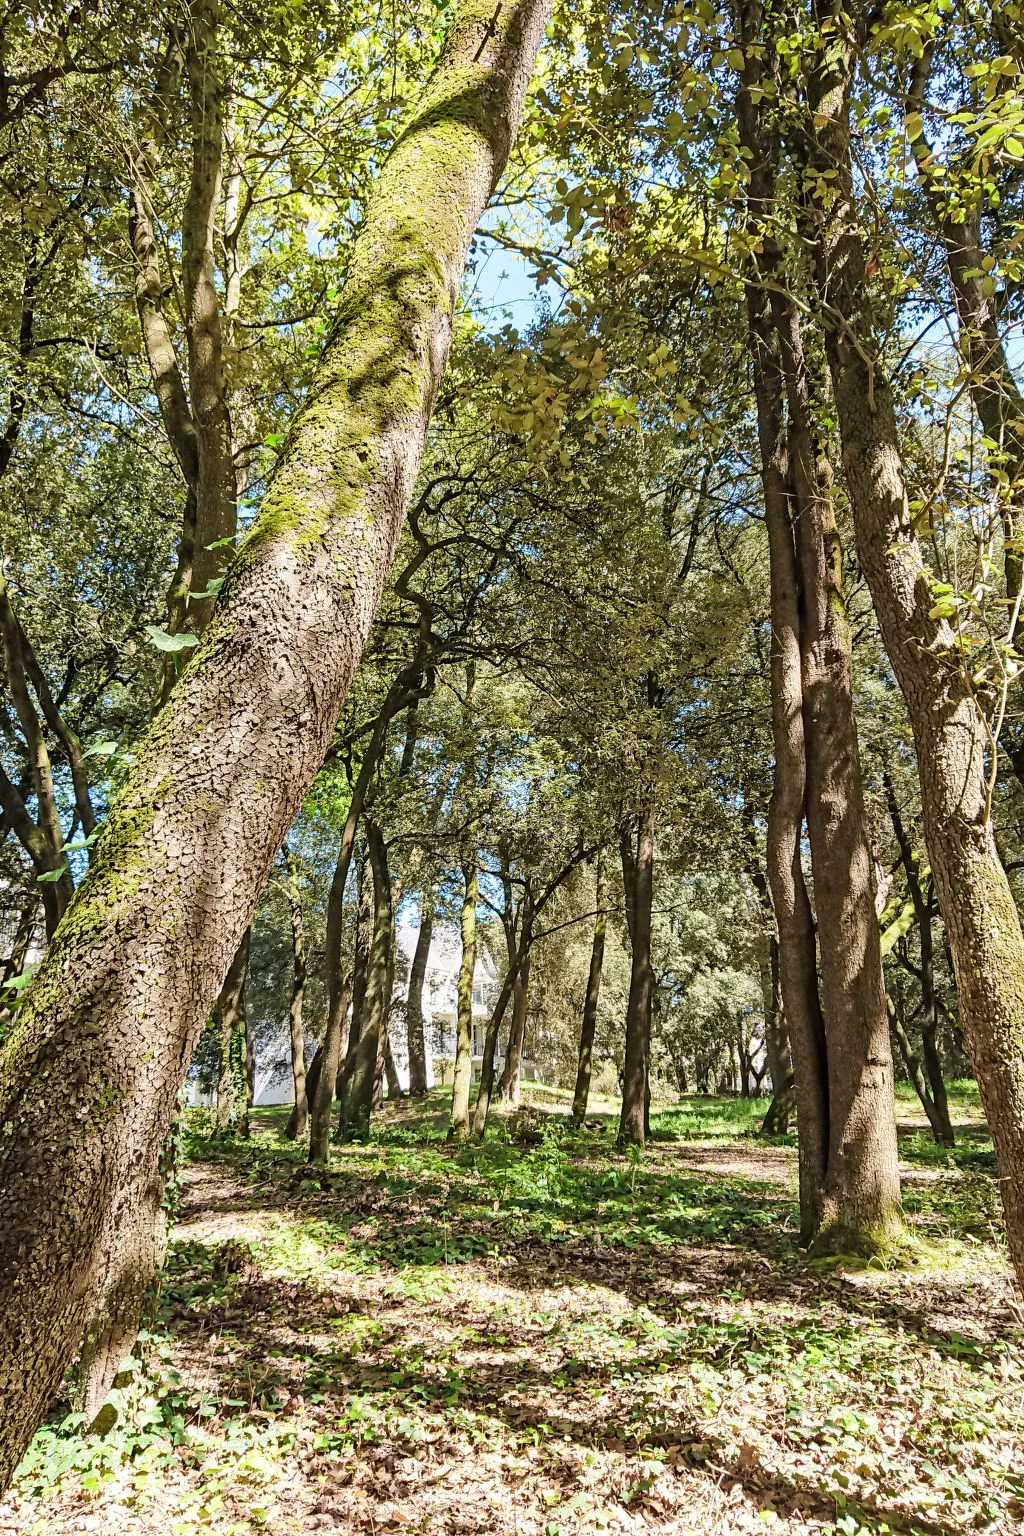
[(105, 1035), (977, 906)]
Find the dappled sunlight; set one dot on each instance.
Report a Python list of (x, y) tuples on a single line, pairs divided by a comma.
[(510, 1337)]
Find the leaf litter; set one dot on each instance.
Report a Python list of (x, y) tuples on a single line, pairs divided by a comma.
[(538, 1337)]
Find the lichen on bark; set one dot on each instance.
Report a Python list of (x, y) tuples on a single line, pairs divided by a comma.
[(145, 946)]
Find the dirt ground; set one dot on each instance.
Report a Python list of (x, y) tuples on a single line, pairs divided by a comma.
[(416, 1345)]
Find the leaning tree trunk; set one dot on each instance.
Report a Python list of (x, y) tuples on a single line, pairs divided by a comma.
[(108, 1028), (414, 1027), (462, 1077), (950, 735), (296, 1127), (589, 1026), (633, 1116)]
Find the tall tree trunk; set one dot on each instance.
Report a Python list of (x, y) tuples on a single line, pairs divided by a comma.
[(912, 1064), (861, 1207), (414, 1023), (850, 1189), (458, 1129), (296, 1128), (590, 1001), (365, 1056), (364, 930), (339, 999), (997, 401), (634, 1115), (391, 1071), (215, 490), (314, 1074), (510, 1085), (950, 736), (743, 1060), (45, 840), (341, 990), (114, 1012), (794, 921), (513, 976), (777, 1052), (168, 384), (232, 1114), (924, 911)]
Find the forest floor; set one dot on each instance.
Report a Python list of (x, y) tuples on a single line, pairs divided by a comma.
[(540, 1337)]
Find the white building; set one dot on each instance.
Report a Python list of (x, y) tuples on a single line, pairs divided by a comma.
[(273, 1075)]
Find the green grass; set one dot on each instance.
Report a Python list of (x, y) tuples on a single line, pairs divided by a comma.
[(552, 1304)]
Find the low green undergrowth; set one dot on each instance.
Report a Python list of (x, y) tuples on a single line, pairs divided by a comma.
[(625, 1322)]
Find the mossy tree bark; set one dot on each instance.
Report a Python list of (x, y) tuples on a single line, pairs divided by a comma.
[(112, 1016), (950, 734), (462, 1077), (588, 1028)]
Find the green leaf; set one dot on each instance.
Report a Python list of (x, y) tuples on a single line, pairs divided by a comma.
[(165, 642), (82, 842), (211, 589), (19, 983), (101, 749), (51, 876)]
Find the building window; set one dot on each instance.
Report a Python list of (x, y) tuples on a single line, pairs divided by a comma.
[(478, 995)]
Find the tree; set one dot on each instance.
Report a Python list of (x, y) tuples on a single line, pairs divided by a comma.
[(951, 732), (588, 1028), (177, 874)]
